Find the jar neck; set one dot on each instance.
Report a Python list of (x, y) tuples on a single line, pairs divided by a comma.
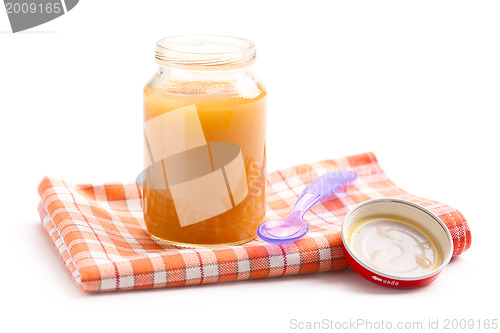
[(187, 73), (207, 52)]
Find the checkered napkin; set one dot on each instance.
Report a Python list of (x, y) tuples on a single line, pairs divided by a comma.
[(100, 233)]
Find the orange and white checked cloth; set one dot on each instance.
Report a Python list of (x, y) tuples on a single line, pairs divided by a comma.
[(100, 233)]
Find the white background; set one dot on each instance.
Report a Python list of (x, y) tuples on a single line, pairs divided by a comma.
[(416, 82)]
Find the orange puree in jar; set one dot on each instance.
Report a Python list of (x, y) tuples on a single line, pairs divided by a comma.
[(232, 115)]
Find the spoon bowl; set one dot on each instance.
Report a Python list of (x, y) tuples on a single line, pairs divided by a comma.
[(276, 231)]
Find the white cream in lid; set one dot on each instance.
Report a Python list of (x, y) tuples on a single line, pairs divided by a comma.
[(394, 246)]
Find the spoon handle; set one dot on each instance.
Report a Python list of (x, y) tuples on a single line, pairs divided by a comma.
[(320, 188)]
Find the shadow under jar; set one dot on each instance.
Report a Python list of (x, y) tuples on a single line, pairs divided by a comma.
[(204, 136)]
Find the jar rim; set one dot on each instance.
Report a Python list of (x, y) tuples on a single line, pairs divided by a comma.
[(205, 51)]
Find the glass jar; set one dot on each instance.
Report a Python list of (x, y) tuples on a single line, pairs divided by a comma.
[(204, 135)]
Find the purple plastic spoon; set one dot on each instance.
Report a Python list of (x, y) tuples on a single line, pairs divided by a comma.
[(292, 227)]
